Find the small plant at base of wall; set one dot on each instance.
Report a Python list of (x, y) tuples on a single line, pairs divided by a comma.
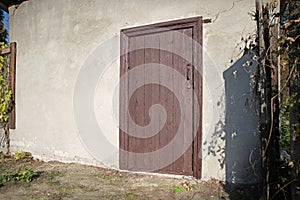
[(22, 174)]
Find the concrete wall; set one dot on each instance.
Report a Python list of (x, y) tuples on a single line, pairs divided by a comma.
[(56, 40)]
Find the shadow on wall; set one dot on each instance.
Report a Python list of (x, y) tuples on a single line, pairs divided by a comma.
[(241, 154), (242, 141)]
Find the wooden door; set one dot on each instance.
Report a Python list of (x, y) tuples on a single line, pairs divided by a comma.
[(160, 97)]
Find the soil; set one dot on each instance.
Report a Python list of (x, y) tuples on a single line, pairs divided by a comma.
[(54, 180)]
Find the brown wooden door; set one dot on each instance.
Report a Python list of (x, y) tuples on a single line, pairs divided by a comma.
[(160, 97)]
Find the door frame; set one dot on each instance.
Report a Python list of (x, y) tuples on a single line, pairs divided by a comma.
[(196, 24)]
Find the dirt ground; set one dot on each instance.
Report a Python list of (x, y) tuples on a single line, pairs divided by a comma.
[(56, 180)]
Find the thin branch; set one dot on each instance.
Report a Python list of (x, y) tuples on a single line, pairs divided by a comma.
[(281, 188), (291, 22), (291, 39)]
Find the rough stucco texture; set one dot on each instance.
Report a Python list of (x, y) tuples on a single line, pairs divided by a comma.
[(54, 40)]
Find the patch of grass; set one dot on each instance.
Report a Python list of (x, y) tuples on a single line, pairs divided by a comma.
[(3, 169), (59, 196), (66, 188), (131, 196), (177, 189), (52, 181), (104, 177), (112, 179), (113, 198), (22, 174), (51, 177)]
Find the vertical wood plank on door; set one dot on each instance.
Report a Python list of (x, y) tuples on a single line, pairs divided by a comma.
[(186, 64), (177, 147), (140, 104), (166, 96), (133, 105), (152, 93), (198, 67), (137, 101), (123, 96)]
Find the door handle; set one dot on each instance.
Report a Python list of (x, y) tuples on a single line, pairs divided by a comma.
[(189, 75)]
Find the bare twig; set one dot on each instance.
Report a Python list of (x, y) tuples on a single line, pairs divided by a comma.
[(281, 188)]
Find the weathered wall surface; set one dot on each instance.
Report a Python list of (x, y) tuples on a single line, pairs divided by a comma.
[(56, 39)]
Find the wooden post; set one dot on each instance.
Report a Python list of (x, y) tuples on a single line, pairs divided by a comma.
[(12, 83)]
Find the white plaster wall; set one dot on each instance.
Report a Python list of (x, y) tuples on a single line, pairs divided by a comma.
[(55, 38)]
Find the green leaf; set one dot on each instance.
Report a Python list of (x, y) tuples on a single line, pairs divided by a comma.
[(177, 189)]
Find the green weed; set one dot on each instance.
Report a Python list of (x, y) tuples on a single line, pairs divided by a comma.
[(23, 155), (177, 189), (22, 174)]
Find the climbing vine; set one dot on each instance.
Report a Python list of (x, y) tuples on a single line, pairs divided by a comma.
[(5, 92), (290, 67), (279, 33), (5, 99), (283, 171)]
